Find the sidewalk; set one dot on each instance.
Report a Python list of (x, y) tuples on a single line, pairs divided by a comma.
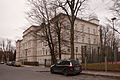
[(102, 73), (92, 73)]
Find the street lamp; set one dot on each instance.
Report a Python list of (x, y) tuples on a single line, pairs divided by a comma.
[(113, 19)]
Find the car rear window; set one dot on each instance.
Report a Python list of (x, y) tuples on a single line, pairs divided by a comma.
[(65, 63), (75, 62)]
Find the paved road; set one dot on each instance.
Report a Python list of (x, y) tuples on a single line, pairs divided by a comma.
[(24, 73)]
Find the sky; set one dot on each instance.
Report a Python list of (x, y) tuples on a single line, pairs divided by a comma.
[(13, 21), (12, 18)]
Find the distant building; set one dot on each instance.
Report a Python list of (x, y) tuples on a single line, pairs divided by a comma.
[(30, 48)]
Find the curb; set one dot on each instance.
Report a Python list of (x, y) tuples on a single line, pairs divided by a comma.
[(42, 71), (100, 75)]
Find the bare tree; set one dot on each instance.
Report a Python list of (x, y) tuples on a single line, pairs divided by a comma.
[(42, 11), (109, 43), (7, 50), (116, 8), (71, 8), (57, 28), (116, 13)]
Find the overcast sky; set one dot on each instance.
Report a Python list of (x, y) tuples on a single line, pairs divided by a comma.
[(13, 22)]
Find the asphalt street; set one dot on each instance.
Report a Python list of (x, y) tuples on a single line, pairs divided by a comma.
[(26, 73)]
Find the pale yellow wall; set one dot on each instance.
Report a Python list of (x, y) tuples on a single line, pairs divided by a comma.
[(35, 47)]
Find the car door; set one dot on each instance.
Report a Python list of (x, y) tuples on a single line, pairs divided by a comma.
[(57, 67), (63, 66), (60, 66)]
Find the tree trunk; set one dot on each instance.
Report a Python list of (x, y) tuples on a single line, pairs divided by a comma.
[(53, 58), (58, 31), (59, 39), (106, 64), (72, 40), (85, 63)]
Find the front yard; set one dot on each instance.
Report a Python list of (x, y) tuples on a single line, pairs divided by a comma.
[(101, 67)]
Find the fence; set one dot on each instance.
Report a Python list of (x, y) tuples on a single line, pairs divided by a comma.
[(95, 55), (96, 59)]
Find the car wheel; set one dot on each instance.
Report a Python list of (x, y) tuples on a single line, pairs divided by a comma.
[(78, 73), (52, 71), (65, 72)]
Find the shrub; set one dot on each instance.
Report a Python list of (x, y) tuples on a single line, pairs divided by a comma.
[(31, 63)]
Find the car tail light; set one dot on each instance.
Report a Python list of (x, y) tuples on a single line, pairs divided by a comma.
[(70, 65)]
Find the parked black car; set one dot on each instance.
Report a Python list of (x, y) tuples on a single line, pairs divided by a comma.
[(67, 67)]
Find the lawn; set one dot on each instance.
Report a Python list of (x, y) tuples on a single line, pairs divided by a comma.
[(101, 67)]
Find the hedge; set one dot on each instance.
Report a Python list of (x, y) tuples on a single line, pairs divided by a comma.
[(31, 63)]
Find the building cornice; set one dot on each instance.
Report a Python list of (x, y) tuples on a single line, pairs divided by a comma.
[(62, 14)]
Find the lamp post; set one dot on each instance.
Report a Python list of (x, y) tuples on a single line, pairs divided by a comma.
[(113, 19)]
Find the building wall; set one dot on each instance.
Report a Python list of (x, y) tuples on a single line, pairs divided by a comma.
[(31, 48), (26, 49), (18, 50)]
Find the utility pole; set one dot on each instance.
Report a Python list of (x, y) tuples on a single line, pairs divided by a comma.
[(114, 54)]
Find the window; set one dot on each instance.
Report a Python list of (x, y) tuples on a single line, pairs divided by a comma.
[(88, 30), (76, 38), (94, 41), (83, 39), (93, 31), (59, 63), (45, 43), (29, 44), (67, 25), (68, 50), (65, 63), (46, 51), (76, 49), (88, 40), (82, 28), (75, 63), (43, 50), (42, 43), (76, 27)]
